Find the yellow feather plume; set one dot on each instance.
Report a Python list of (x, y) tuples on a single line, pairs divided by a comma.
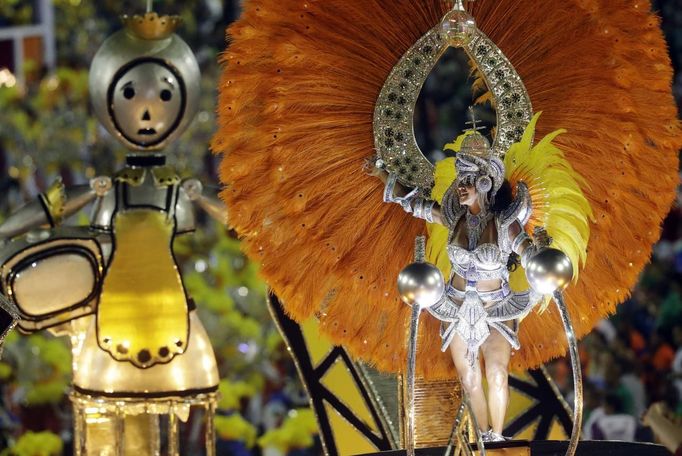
[(444, 175), (558, 202)]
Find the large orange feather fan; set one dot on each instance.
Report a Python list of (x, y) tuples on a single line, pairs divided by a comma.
[(295, 126)]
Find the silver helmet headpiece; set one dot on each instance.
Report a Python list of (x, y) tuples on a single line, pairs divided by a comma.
[(477, 166)]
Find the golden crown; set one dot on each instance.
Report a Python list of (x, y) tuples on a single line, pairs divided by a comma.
[(151, 26), (476, 144)]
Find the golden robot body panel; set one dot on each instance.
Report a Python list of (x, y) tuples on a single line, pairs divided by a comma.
[(194, 372), (142, 286), (134, 224)]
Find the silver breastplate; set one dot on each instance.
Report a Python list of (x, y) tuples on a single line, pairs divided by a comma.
[(485, 262)]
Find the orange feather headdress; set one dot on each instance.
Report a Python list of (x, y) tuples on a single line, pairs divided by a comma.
[(296, 106)]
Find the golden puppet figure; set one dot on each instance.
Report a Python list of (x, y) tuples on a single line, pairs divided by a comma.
[(144, 356)]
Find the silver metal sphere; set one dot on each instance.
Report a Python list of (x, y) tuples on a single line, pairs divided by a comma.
[(421, 284), (549, 270), (145, 92), (459, 27)]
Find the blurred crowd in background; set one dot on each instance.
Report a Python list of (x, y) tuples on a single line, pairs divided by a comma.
[(634, 359), (631, 361)]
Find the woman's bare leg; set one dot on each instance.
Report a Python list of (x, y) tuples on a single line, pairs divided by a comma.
[(471, 380), (496, 353)]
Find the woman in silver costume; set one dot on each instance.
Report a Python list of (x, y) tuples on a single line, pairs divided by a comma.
[(479, 312)]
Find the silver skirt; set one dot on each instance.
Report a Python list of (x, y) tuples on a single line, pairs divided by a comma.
[(471, 314)]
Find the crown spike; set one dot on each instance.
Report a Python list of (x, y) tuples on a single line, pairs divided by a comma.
[(475, 143), (151, 26), (472, 122)]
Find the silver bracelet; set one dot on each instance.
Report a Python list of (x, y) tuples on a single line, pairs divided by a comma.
[(428, 211), (388, 189), (418, 209), (529, 253), (423, 209), (404, 201), (518, 240)]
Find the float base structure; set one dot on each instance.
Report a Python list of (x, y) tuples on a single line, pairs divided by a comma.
[(549, 448)]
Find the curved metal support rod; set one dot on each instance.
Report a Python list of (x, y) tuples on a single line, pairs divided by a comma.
[(456, 428), (474, 422), (577, 374), (411, 362)]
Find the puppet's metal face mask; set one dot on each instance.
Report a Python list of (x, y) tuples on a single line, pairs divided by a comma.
[(147, 100), (144, 86)]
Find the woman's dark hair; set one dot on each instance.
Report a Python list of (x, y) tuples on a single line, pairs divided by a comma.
[(502, 199)]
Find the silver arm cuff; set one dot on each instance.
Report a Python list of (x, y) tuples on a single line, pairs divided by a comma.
[(529, 253), (419, 207), (404, 201), (519, 240), (388, 189), (423, 209)]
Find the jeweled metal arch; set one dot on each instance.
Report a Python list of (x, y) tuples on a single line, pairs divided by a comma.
[(394, 137)]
